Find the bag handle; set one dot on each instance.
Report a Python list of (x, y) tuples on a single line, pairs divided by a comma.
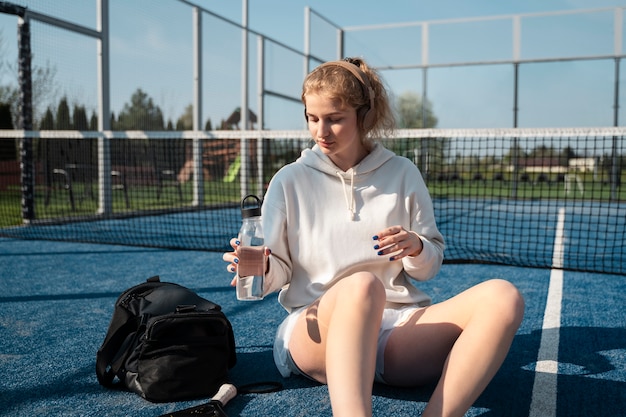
[(185, 308), (121, 326), (105, 368)]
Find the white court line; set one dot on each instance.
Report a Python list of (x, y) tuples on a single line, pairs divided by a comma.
[(543, 403)]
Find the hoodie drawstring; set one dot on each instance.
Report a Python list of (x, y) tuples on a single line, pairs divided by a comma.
[(349, 201)]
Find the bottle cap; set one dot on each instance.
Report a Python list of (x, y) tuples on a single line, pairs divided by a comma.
[(254, 211)]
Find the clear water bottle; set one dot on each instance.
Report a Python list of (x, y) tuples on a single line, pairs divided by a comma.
[(251, 252)]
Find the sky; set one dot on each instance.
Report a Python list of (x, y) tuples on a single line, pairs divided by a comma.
[(151, 48)]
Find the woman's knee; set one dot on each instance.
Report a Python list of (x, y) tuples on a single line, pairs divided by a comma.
[(506, 300), (362, 287)]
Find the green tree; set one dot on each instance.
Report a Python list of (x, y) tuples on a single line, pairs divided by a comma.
[(63, 119), (411, 113), (542, 151), (185, 122), (93, 121), (47, 121), (140, 114), (79, 118)]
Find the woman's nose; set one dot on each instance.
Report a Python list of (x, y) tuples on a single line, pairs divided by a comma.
[(323, 129)]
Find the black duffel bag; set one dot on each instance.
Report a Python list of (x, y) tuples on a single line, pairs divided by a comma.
[(166, 343)]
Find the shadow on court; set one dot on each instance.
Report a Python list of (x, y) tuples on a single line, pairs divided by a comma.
[(57, 300)]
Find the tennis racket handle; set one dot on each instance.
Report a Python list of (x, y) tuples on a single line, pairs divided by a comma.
[(226, 393)]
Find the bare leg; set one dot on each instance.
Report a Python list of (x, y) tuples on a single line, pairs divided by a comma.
[(335, 342), (462, 341)]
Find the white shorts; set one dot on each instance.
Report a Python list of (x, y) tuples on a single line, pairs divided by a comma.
[(392, 318)]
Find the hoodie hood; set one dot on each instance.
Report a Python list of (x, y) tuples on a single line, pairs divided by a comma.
[(316, 159)]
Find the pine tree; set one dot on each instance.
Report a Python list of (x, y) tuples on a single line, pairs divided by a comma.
[(80, 118), (93, 121), (63, 120), (140, 114), (47, 122)]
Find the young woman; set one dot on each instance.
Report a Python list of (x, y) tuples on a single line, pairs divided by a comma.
[(349, 226)]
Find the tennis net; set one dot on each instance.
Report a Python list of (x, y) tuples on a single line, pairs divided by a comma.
[(525, 197)]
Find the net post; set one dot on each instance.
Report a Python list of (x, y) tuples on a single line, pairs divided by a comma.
[(615, 169), (259, 161), (243, 110), (260, 157), (26, 118), (515, 164), (105, 195), (198, 179), (615, 172), (424, 145)]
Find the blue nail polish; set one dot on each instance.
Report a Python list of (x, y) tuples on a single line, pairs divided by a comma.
[(380, 252), (375, 237), (392, 259), (376, 247), (236, 261), (237, 242), (232, 269)]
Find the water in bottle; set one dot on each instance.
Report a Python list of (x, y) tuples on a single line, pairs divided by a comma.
[(251, 252)]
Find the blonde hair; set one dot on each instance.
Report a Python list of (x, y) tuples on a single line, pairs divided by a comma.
[(361, 88)]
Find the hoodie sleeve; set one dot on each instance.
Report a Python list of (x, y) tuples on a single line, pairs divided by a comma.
[(425, 265), (275, 231)]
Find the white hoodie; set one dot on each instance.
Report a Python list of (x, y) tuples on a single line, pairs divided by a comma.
[(319, 222)]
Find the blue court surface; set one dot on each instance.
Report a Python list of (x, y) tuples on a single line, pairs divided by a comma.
[(56, 299)]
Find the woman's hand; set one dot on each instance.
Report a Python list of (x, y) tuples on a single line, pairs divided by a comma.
[(234, 259), (231, 258), (398, 242)]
